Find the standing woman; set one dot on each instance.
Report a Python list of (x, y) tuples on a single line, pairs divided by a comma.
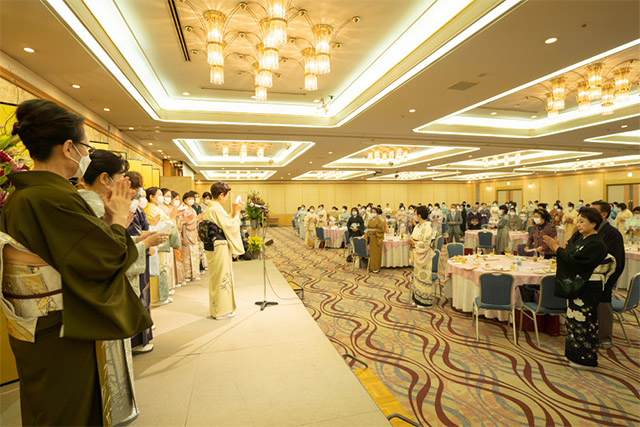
[(375, 235), (310, 224), (301, 222), (422, 256), (221, 247), (582, 255), (81, 262), (178, 253), (189, 235), (502, 238), (158, 217), (355, 224), (570, 219), (541, 227)]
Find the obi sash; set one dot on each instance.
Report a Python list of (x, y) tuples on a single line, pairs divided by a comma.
[(30, 288)]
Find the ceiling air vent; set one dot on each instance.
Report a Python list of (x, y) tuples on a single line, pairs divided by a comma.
[(462, 85)]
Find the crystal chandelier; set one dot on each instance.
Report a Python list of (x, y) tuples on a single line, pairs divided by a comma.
[(594, 76), (584, 102), (272, 19), (608, 103), (558, 91), (622, 84)]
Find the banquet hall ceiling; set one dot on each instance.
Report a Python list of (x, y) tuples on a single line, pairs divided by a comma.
[(509, 52)]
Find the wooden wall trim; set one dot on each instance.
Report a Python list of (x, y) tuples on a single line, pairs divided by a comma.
[(34, 90)]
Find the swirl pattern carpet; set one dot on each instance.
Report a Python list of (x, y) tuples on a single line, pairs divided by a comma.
[(430, 361)]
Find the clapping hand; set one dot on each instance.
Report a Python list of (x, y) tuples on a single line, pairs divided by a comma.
[(117, 202), (551, 242)]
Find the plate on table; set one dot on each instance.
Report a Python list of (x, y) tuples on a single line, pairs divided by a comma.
[(495, 268)]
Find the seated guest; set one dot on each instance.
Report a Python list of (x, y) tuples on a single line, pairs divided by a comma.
[(474, 219), (355, 224), (514, 222), (582, 255), (542, 226)]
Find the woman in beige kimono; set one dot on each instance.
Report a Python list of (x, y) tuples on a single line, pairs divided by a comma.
[(375, 235), (310, 224), (422, 256), (228, 243), (322, 216)]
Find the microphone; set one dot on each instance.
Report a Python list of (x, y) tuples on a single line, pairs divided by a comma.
[(254, 205)]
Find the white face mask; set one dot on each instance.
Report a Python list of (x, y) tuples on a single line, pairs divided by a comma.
[(143, 202), (197, 200), (176, 203), (160, 199), (374, 214), (368, 209), (494, 205), (354, 213), (402, 209), (555, 206), (537, 220), (453, 210), (134, 205), (166, 200), (190, 202), (83, 164), (312, 210), (512, 213), (344, 210), (637, 216), (570, 208)]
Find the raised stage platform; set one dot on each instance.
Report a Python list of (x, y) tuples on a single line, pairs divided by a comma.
[(269, 368)]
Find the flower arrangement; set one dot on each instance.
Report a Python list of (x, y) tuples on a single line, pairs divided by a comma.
[(256, 213), (255, 244), (14, 157)]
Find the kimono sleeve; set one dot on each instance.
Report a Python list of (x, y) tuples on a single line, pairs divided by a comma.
[(585, 259)]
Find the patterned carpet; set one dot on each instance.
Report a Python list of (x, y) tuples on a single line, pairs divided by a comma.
[(430, 361)]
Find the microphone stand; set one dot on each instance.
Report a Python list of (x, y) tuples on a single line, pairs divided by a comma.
[(264, 303)]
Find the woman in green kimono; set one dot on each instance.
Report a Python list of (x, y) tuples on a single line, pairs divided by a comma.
[(375, 235), (59, 350), (502, 238)]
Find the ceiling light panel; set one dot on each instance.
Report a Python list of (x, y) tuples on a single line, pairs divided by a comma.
[(608, 162), (515, 158), (341, 175), (241, 153), (386, 156), (237, 175), (409, 176), (564, 100), (482, 176), (626, 138)]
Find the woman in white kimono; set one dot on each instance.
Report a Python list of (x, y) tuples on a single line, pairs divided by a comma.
[(301, 223), (322, 216), (104, 170), (220, 250), (502, 238), (436, 218), (310, 224), (422, 256)]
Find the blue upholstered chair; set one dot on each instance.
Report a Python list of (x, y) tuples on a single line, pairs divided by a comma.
[(440, 242), (484, 226), (529, 228), (629, 304), (434, 270), (496, 290), (485, 240), (321, 238), (360, 250), (547, 303), (293, 224), (454, 249)]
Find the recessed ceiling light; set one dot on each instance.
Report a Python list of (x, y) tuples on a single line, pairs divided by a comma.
[(186, 93), (413, 110), (534, 116), (551, 40), (159, 151), (29, 49), (131, 128), (624, 126), (630, 174), (107, 109), (330, 152), (493, 113), (289, 173), (75, 86), (316, 100), (151, 143), (253, 97), (157, 131), (310, 163)]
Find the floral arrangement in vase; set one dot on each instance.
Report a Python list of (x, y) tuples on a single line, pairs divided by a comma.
[(255, 244), (255, 214), (14, 157)]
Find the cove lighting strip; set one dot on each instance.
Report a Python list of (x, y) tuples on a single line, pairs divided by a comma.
[(330, 175), (626, 138), (237, 175)]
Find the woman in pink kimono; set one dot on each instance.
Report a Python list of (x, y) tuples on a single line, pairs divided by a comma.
[(189, 237)]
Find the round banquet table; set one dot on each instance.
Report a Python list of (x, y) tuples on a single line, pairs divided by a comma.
[(515, 238), (395, 252), (631, 266), (336, 234), (463, 279)]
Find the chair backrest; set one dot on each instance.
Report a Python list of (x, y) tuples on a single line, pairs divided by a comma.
[(547, 297), (633, 296), (445, 228), (529, 228), (320, 233), (524, 225), (496, 288), (454, 249), (434, 262), (485, 226), (439, 243), (522, 252), (293, 223), (360, 247), (346, 238), (485, 239)]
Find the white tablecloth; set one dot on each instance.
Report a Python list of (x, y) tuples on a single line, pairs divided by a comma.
[(463, 281), (395, 252), (631, 266), (336, 235), (515, 238)]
